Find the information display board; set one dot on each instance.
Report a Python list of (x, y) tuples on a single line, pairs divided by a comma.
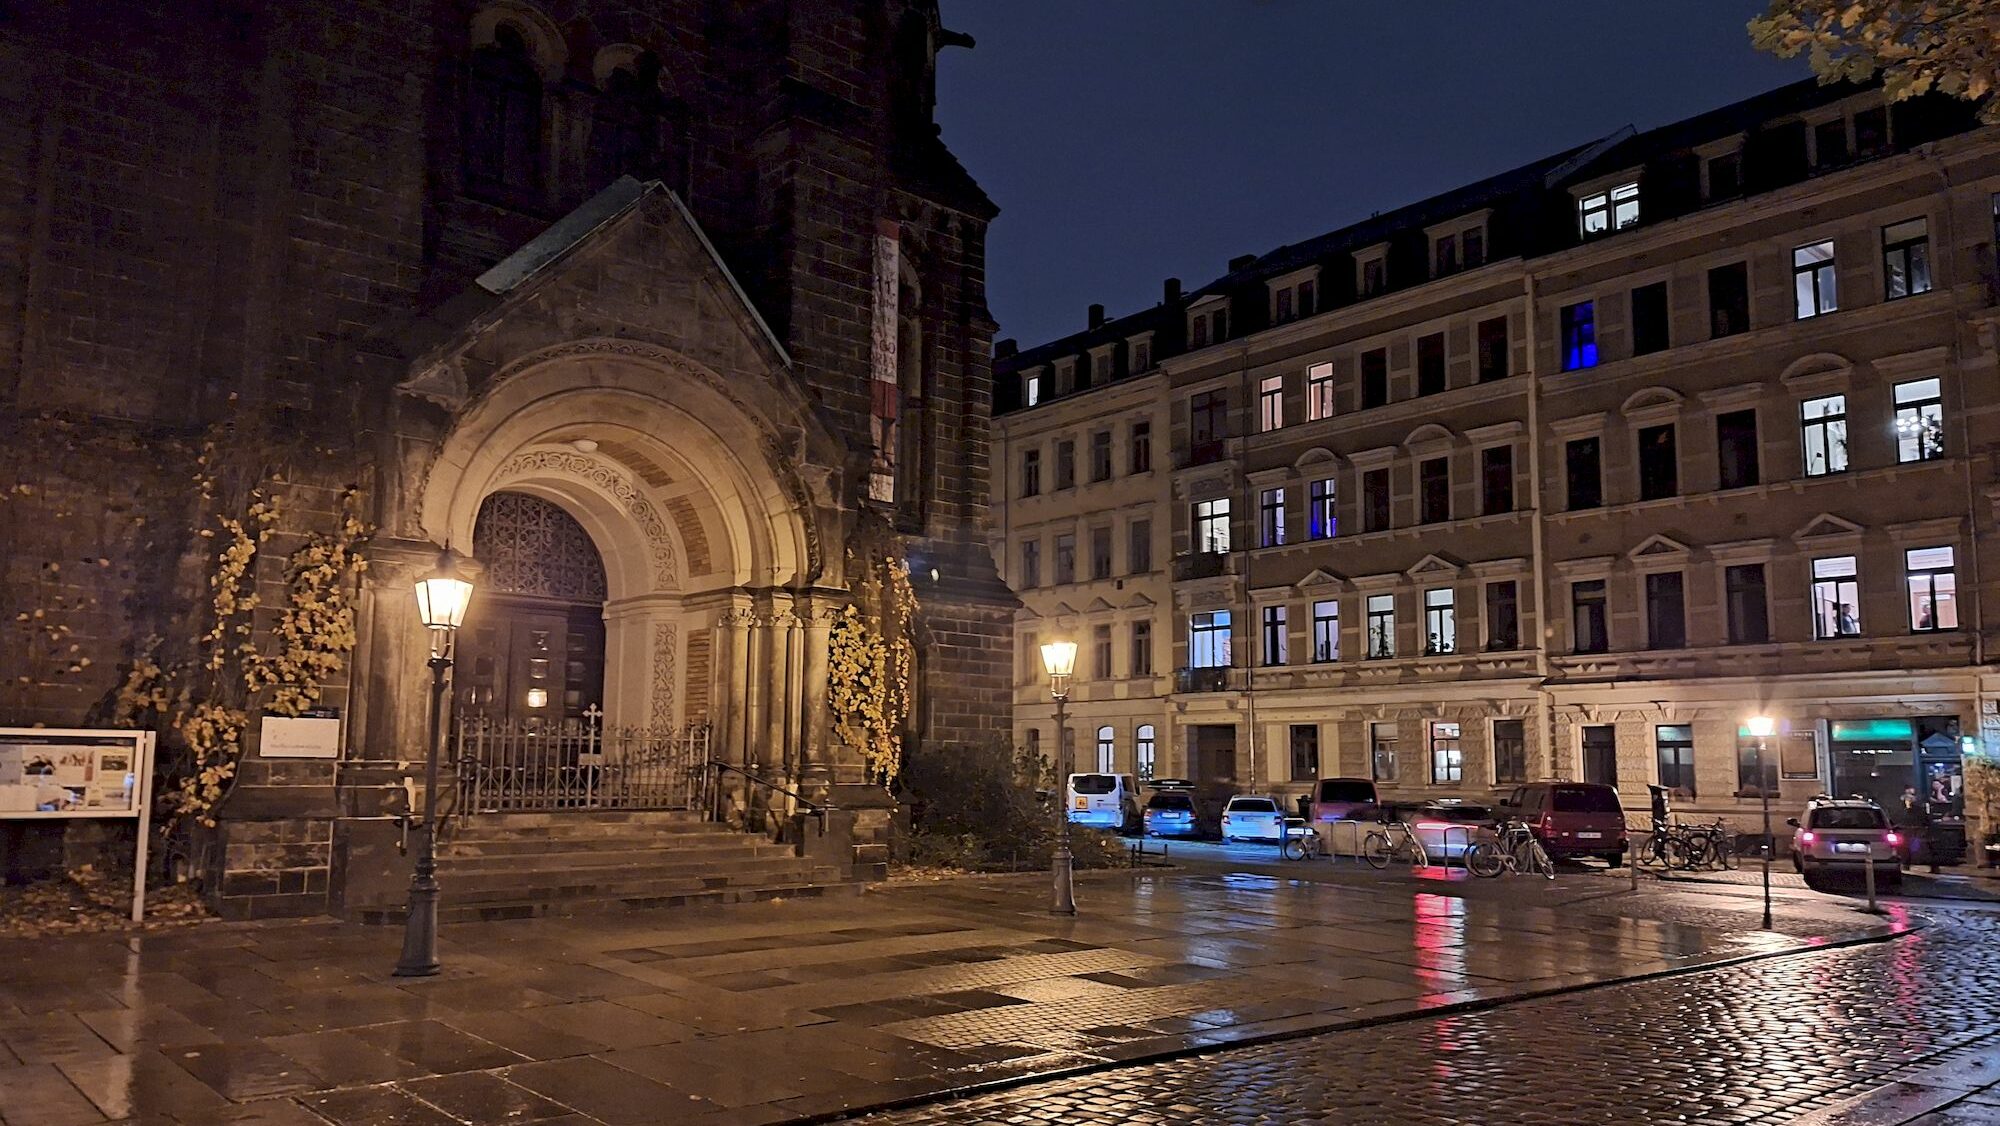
[(52, 773)]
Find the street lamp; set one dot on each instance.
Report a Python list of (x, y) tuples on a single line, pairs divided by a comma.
[(442, 596), (1059, 658), (1761, 727)]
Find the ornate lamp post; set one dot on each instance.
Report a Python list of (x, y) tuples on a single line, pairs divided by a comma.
[(442, 596), (1059, 657), (1761, 727)]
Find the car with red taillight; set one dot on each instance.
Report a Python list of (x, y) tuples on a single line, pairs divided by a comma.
[(1845, 835), (1572, 819)]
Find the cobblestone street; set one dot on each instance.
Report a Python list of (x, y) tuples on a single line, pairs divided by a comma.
[(1902, 1029)]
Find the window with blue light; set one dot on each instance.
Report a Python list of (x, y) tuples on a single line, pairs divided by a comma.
[(1322, 522), (1208, 640), (1579, 336)]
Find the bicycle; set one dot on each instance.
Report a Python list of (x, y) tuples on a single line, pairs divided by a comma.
[(1378, 848), (1516, 850), (1300, 842)]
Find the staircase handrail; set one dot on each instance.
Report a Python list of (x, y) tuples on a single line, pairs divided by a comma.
[(818, 810)]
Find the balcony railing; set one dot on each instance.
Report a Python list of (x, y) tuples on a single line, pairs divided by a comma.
[(1219, 679), (1202, 565)]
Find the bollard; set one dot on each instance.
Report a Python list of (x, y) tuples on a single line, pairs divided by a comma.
[(1872, 909), (1632, 863)]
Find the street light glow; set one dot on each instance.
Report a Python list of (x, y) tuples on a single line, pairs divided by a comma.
[(1761, 726), (1059, 657), (443, 594)]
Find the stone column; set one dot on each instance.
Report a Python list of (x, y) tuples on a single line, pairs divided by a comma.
[(642, 662), (735, 626), (816, 752), (783, 634)]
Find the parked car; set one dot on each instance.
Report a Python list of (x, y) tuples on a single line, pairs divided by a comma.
[(1572, 818), (1447, 827), (1252, 819), (1345, 799), (1842, 835), (1171, 811), (1107, 801)]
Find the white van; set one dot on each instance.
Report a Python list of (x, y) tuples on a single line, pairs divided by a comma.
[(1106, 801)]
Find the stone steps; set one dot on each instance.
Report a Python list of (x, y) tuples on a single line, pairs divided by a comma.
[(560, 881), (464, 911)]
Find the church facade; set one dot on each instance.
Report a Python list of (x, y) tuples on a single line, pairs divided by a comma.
[(653, 311)]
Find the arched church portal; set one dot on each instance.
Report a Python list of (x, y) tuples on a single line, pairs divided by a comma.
[(532, 650)]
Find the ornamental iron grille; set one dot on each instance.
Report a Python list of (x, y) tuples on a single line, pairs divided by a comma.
[(511, 766), (530, 546)]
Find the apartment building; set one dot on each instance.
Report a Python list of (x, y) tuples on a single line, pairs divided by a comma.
[(1562, 474)]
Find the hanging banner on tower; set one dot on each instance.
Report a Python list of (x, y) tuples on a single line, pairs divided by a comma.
[(884, 379)]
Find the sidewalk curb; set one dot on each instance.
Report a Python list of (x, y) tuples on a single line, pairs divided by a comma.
[(1456, 1008)]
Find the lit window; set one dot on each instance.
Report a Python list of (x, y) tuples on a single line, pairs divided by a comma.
[(1906, 259), (1612, 210), (1381, 626), (1208, 640), (1579, 336), (1919, 420), (1447, 759), (1812, 279), (1271, 517), (1382, 751), (1145, 747), (1321, 521), (1836, 597), (1271, 403), (1823, 429), (1211, 525), (1032, 393), (1930, 573), (1277, 636), (1440, 622), (1319, 392), (1107, 750), (1326, 630)]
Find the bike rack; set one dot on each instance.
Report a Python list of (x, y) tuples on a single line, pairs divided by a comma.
[(1464, 854), (1333, 853)]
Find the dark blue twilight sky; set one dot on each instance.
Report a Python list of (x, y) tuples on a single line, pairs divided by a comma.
[(1127, 141)]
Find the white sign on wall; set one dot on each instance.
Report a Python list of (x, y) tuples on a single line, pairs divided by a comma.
[(306, 736)]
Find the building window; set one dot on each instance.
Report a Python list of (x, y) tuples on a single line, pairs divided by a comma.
[(1282, 306), (1211, 526), (1666, 611), (1381, 626), (1493, 349), (1326, 630), (1208, 425), (1271, 403), (1447, 757), (1649, 319), (1503, 615), (1510, 751), (1579, 336), (1374, 275), (1375, 500), (1198, 332), (1065, 465), (1836, 597), (1440, 622), (1374, 378), (1142, 447), (1208, 640), (1434, 490), (1906, 259), (1675, 744), (1031, 390), (1757, 764), (1107, 750), (1142, 648), (1871, 130), (1582, 471), (1308, 291), (1031, 564), (1139, 547), (1066, 558), (1142, 355), (1382, 766), (1305, 752), (1100, 552), (1322, 521), (503, 116), (1033, 739), (1830, 143), (1146, 749), (1728, 300), (1736, 449), (1271, 517), (1919, 420), (1319, 392), (1600, 755), (1747, 604), (1277, 636), (1725, 175), (1496, 480), (1031, 473), (1445, 255), (1812, 280), (1611, 210), (1473, 241), (1823, 430), (1100, 456), (1430, 364), (1659, 463), (1929, 574), (1100, 652), (1587, 616)]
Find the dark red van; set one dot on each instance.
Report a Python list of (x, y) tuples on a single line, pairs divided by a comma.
[(1572, 818)]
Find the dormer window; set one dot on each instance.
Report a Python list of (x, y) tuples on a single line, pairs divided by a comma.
[(1612, 209), (1371, 271), (1065, 377), (1447, 255), (1208, 324), (1722, 175), (1031, 389), (1293, 296), (1458, 245), (1141, 351)]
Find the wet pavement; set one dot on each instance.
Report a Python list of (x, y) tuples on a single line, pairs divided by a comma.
[(775, 1012), (1882, 1034)]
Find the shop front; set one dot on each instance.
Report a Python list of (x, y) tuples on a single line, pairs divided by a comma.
[(1913, 768)]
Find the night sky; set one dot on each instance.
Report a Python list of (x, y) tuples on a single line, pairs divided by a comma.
[(1127, 141)]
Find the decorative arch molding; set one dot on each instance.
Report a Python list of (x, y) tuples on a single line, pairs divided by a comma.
[(1814, 369), (607, 477), (615, 56), (1430, 434), (1317, 455), (1652, 398), (544, 39)]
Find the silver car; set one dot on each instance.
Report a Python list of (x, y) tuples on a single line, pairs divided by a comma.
[(1843, 835)]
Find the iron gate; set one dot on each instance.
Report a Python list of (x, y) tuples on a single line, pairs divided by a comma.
[(514, 766)]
